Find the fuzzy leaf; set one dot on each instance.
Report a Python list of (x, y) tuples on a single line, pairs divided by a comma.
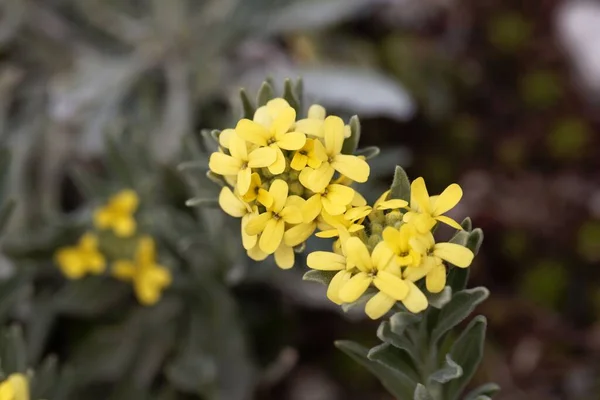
[(462, 304), (323, 277), (402, 320), (299, 90), (385, 334), (44, 379), (487, 390), (448, 372), (13, 353), (202, 202), (467, 351), (467, 224), (9, 292), (460, 237), (421, 393), (396, 383), (290, 96), (395, 359), (400, 188), (6, 211), (90, 296), (265, 94), (439, 300), (351, 143), (247, 106), (368, 152), (475, 240)]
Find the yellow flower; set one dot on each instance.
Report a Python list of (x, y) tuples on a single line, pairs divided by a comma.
[(77, 261), (334, 199), (425, 211), (256, 192), (149, 278), (313, 124), (311, 154), (117, 214), (236, 207), (271, 224), (274, 135), (432, 266), (350, 166), (351, 221), (240, 162), (398, 241), (15, 387)]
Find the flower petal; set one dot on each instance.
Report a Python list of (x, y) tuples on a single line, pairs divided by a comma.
[(310, 126), (223, 164), (338, 281), (353, 167), (326, 261), (232, 204), (244, 177), (238, 148), (298, 234), (392, 204), (284, 256), (379, 305), (382, 255), (358, 254), (283, 122), (225, 137), (299, 161), (419, 197), (391, 285), (355, 287), (278, 165), (279, 192), (333, 133), (256, 253), (340, 194), (392, 238), (436, 279), (291, 215), (312, 208), (416, 301), (262, 157), (317, 179), (454, 254), (291, 141), (449, 221), (252, 132), (447, 200), (124, 226), (316, 111), (272, 236), (257, 223), (248, 241)]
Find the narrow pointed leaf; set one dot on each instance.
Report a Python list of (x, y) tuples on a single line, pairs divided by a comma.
[(13, 352), (439, 300), (475, 240), (400, 188), (265, 93), (421, 393), (202, 202), (467, 224), (402, 320), (351, 143), (323, 277), (394, 359), (368, 152), (385, 334), (290, 96), (247, 106), (448, 372)]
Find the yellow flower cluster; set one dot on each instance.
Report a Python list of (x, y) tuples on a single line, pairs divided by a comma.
[(15, 387), (117, 218), (392, 250), (285, 176)]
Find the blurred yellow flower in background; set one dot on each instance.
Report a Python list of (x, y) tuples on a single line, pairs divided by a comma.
[(77, 261), (117, 214), (15, 387)]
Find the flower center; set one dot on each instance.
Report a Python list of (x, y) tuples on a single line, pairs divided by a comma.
[(271, 141)]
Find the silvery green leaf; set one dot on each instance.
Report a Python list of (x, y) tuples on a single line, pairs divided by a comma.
[(402, 320), (439, 300), (202, 202), (189, 373), (400, 188), (395, 359), (467, 351), (487, 390), (6, 210), (192, 165), (475, 240), (13, 353), (460, 237), (10, 287), (247, 106), (299, 90), (218, 179), (290, 96), (385, 334), (460, 307), (90, 296), (323, 277), (398, 384), (265, 94), (351, 143), (45, 379), (448, 372), (368, 152), (421, 393), (467, 224), (87, 183)]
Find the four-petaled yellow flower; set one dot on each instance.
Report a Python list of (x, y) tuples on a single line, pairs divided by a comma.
[(334, 199), (311, 154), (425, 211), (149, 278), (398, 240), (313, 123), (241, 162), (15, 387), (353, 167), (77, 261), (117, 214)]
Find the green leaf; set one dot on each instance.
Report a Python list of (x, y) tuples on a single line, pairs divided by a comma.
[(90, 296), (247, 106), (475, 240), (6, 211), (299, 90), (462, 304), (13, 353), (448, 372), (467, 224), (188, 373), (368, 152), (351, 143), (290, 96), (421, 393), (400, 188), (202, 202), (218, 179), (396, 383), (265, 94), (467, 351), (402, 320), (385, 334), (9, 292), (45, 379), (439, 300), (395, 359), (460, 237), (487, 390), (323, 277), (88, 184)]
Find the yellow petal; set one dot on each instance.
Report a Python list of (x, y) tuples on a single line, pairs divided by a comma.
[(225, 137), (146, 251), (272, 236), (20, 387), (316, 111), (358, 200), (356, 213), (279, 192), (248, 241), (70, 262), (264, 198), (392, 204), (125, 201), (284, 256), (382, 255), (353, 167), (291, 141), (331, 207), (244, 178), (124, 226), (291, 215), (252, 132), (223, 164), (340, 194), (338, 281), (449, 221), (88, 242), (416, 301), (278, 165), (311, 208), (102, 218), (326, 261), (327, 234), (392, 238), (310, 126), (436, 279), (391, 285), (232, 204), (379, 305), (358, 254), (238, 148), (355, 287), (299, 161), (123, 270), (283, 122), (382, 198), (317, 179), (262, 157), (419, 197), (318, 151), (298, 234), (257, 222), (454, 254), (257, 254), (333, 133), (447, 200)]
